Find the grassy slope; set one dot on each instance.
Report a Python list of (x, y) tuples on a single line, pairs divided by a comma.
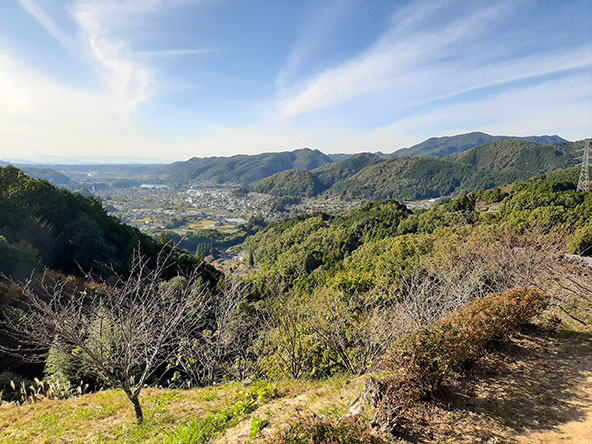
[(537, 388), (107, 417)]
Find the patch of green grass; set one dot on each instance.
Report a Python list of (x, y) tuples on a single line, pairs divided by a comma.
[(257, 424), (107, 417), (333, 411), (209, 396), (204, 430), (49, 419)]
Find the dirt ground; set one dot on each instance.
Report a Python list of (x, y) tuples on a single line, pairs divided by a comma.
[(535, 389)]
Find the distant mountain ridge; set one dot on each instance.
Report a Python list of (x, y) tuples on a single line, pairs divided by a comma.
[(248, 170), (486, 166), (447, 145), (366, 176), (242, 169), (310, 183)]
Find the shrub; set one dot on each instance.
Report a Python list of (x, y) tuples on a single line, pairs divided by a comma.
[(418, 364), (432, 353), (316, 430), (581, 242)]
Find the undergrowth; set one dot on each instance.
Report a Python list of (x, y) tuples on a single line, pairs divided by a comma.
[(419, 363), (199, 431), (319, 430)]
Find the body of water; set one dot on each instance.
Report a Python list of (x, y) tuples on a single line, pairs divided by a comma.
[(154, 185)]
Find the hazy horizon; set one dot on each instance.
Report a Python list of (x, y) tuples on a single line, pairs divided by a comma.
[(159, 81), (63, 160)]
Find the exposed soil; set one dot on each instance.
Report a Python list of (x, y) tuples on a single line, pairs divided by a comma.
[(536, 390)]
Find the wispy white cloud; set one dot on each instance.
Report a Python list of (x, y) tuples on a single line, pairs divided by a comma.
[(388, 62), (104, 41), (323, 19), (175, 52), (418, 64), (419, 60), (48, 23), (128, 78)]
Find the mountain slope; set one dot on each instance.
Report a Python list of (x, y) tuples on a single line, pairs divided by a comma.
[(520, 155), (43, 226), (490, 165), (242, 169), (447, 145), (287, 183), (332, 173), (310, 183), (406, 178)]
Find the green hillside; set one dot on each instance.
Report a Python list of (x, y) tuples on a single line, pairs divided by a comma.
[(241, 169), (310, 183), (521, 156), (447, 145), (330, 174), (341, 243), (490, 165), (368, 177), (406, 179), (376, 310), (288, 183)]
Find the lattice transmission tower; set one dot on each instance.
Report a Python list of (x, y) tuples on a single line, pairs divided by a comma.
[(584, 182)]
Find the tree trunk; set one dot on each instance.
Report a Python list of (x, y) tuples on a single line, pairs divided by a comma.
[(134, 398)]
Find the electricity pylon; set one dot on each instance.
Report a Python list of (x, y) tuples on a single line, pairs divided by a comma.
[(584, 182)]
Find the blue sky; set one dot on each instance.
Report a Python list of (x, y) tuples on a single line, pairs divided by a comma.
[(157, 80)]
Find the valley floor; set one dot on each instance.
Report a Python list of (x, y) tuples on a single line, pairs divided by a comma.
[(536, 390)]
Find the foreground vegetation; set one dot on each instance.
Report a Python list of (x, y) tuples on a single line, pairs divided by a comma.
[(175, 416), (402, 302)]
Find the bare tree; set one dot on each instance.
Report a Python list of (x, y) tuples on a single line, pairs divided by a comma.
[(570, 280), (122, 333), (286, 332), (208, 356), (473, 267), (356, 328)]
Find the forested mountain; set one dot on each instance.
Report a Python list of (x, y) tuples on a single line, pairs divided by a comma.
[(44, 226), (297, 183), (242, 169), (521, 156), (486, 166), (310, 183), (329, 175), (355, 250), (447, 145), (405, 178), (52, 176)]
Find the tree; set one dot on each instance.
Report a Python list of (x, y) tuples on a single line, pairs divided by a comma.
[(209, 356), (123, 333)]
